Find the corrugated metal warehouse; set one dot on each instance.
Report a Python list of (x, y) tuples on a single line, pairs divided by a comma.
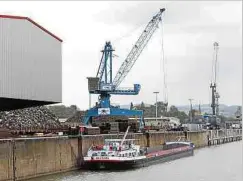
[(30, 64)]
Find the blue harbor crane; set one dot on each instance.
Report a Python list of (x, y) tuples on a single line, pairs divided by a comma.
[(104, 84)]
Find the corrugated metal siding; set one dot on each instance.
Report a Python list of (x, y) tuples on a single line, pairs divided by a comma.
[(30, 62)]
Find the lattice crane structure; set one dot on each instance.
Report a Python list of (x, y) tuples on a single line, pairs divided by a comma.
[(104, 84)]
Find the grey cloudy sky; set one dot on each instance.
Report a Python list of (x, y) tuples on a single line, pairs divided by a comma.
[(189, 31)]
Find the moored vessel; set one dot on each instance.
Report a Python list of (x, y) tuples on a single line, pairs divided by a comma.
[(125, 154)]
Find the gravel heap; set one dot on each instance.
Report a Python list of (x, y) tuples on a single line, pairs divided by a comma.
[(34, 118)]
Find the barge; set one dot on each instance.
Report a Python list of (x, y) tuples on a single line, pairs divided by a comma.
[(125, 154)]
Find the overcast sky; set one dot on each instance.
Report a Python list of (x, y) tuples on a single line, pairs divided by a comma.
[(189, 31)]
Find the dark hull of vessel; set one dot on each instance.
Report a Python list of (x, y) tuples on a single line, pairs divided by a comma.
[(123, 165)]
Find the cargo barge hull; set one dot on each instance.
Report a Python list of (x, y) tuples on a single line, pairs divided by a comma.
[(137, 163)]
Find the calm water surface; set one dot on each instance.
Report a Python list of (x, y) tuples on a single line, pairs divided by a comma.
[(217, 163)]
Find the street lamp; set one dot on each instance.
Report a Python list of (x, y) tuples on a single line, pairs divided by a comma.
[(156, 97), (89, 100), (191, 109)]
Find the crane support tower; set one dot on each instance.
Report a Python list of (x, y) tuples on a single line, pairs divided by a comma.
[(104, 84)]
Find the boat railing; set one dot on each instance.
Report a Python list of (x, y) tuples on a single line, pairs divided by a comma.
[(96, 147)]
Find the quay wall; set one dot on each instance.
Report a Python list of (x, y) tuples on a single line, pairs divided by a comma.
[(6, 160), (158, 138), (27, 158), (199, 138), (23, 158)]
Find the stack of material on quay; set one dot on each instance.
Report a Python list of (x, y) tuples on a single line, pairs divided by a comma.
[(34, 118), (75, 119), (108, 118), (78, 116)]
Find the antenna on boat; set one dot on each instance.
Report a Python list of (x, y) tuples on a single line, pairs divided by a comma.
[(125, 135)]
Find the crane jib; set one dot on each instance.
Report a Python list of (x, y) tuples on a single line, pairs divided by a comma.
[(137, 48)]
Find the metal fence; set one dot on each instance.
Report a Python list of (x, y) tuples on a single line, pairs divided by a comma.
[(224, 133)]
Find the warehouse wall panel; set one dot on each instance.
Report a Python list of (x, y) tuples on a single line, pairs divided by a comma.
[(30, 62)]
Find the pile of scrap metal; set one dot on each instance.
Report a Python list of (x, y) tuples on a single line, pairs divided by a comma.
[(30, 120)]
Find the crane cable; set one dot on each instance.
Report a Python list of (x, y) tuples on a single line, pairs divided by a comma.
[(212, 78), (213, 68), (127, 34), (163, 66)]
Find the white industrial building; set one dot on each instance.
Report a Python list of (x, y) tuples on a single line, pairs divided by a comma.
[(30, 64), (161, 120)]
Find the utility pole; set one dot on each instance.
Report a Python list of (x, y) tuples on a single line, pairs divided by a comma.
[(190, 109), (89, 100), (156, 104)]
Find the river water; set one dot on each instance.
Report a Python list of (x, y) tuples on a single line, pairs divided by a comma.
[(215, 163)]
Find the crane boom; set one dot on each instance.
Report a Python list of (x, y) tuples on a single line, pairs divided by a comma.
[(137, 49)]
